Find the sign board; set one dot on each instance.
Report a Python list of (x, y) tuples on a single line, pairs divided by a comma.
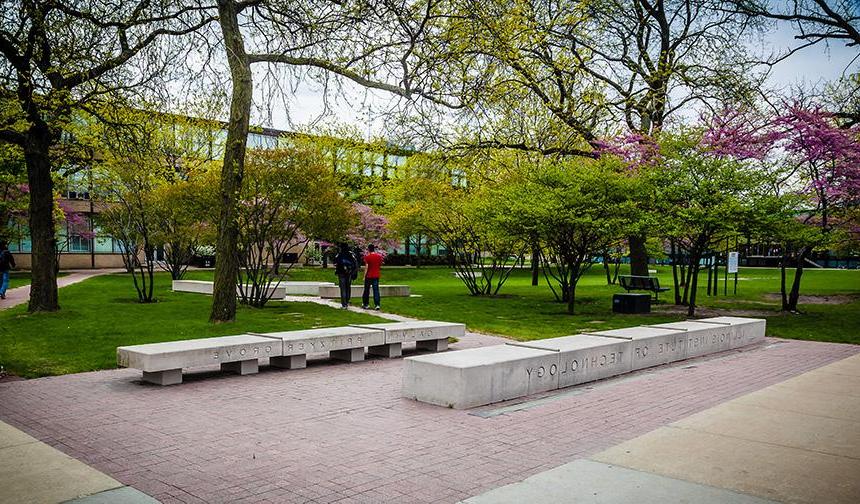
[(733, 263)]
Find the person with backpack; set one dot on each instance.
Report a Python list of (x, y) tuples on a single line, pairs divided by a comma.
[(346, 269), (7, 262)]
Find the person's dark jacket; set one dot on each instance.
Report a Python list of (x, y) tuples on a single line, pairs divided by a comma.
[(7, 261), (344, 264)]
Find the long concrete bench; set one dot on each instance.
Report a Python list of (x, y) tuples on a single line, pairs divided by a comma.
[(162, 363), (479, 376), (333, 291), (204, 287), (427, 335)]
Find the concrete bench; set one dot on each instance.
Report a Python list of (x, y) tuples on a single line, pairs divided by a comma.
[(295, 288), (478, 376), (162, 363), (341, 343), (204, 287), (333, 291), (427, 335)]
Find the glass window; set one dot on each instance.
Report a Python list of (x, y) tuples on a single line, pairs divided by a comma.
[(79, 244), (102, 243)]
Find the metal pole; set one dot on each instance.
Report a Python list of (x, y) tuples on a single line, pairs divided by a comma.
[(726, 281), (739, 260)]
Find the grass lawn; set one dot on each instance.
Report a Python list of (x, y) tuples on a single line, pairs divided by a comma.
[(102, 313), (525, 312), (22, 278)]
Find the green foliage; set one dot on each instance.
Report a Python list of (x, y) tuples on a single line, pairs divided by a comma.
[(701, 199), (13, 198), (288, 197), (573, 210)]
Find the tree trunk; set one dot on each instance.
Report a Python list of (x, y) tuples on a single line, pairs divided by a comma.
[(782, 266), (571, 297), (606, 270), (43, 286), (226, 248), (673, 253), (535, 265), (638, 255), (794, 294), (694, 271)]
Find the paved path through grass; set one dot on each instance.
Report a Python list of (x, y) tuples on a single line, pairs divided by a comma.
[(342, 432), (21, 295)]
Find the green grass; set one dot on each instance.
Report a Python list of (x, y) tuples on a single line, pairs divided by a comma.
[(22, 278), (102, 313), (525, 312)]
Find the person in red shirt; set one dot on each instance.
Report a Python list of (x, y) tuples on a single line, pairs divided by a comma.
[(372, 265)]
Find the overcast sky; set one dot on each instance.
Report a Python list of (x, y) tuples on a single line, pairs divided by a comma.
[(812, 66)]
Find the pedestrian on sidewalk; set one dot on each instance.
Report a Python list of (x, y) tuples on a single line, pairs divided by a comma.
[(346, 269), (372, 267), (7, 262)]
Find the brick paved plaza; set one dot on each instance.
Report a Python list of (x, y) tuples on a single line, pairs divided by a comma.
[(336, 431)]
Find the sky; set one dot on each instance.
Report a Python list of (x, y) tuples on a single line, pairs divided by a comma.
[(810, 67)]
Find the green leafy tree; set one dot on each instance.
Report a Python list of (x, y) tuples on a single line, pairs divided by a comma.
[(58, 58), (576, 210), (289, 197), (701, 199)]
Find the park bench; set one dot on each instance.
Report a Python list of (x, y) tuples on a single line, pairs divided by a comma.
[(646, 283), (162, 363), (333, 291), (204, 287)]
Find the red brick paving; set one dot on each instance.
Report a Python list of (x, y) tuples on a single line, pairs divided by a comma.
[(340, 432)]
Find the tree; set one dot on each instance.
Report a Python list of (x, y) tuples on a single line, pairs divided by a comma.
[(816, 162), (703, 197), (184, 219), (814, 20), (576, 210), (59, 57), (289, 197), (152, 179), (372, 44), (13, 192), (372, 228)]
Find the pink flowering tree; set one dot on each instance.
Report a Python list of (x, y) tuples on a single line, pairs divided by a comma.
[(372, 228), (71, 224), (816, 160)]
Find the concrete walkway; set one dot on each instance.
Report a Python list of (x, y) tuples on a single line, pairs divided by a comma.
[(32, 472), (797, 442), (21, 295)]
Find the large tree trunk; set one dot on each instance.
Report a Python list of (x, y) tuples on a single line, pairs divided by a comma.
[(43, 286), (638, 255), (226, 248), (535, 265)]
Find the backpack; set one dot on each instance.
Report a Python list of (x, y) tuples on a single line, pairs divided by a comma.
[(346, 265)]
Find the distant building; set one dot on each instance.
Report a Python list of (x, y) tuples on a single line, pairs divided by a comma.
[(95, 249)]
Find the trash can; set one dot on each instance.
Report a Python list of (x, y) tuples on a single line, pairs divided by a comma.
[(631, 303)]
